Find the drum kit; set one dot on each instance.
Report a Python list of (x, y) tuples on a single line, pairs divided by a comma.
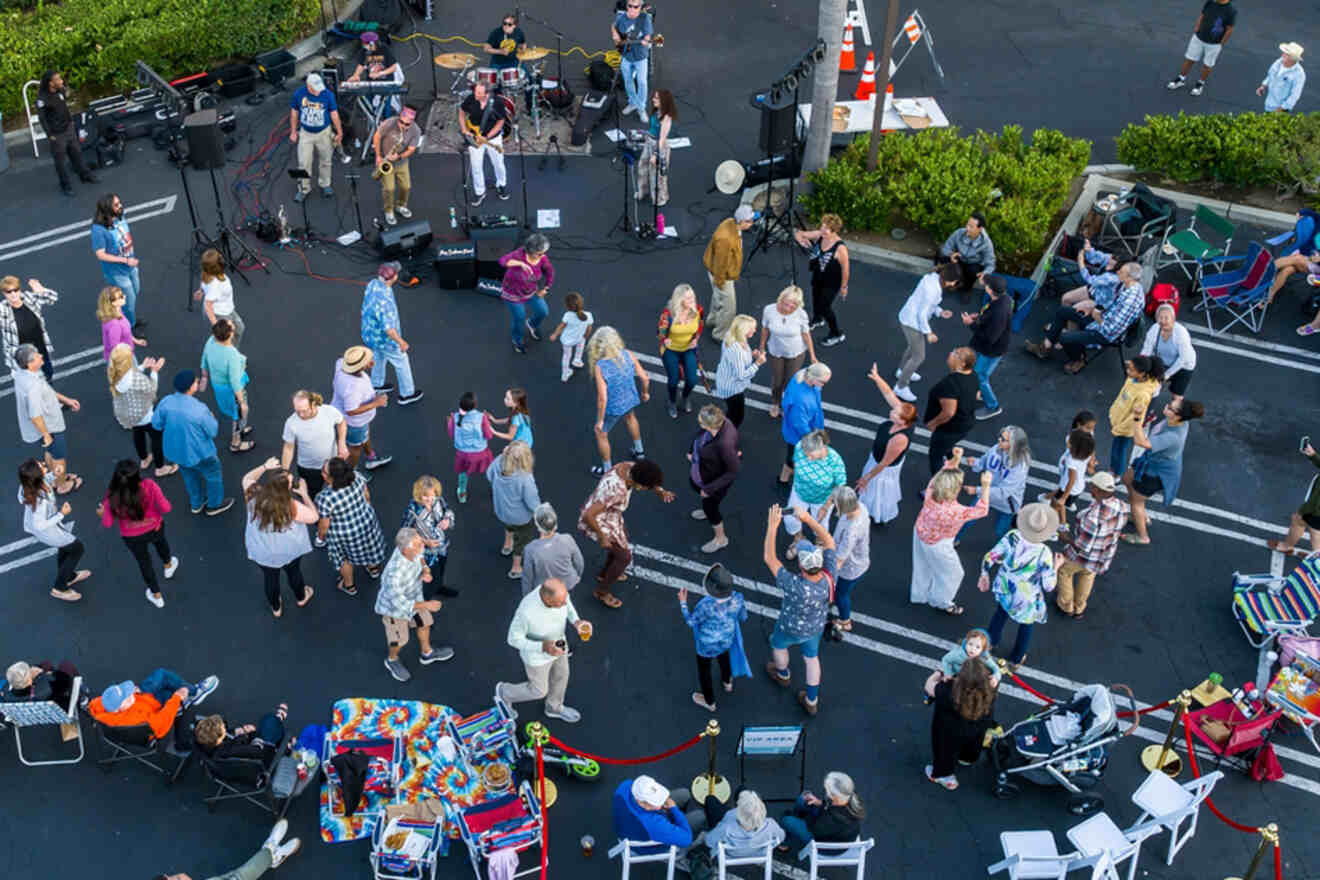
[(525, 78)]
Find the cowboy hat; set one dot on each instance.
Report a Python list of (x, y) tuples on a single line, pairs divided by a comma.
[(1292, 50), (1038, 522), (729, 176)]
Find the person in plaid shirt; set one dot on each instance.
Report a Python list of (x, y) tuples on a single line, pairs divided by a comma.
[(1100, 326), (1094, 539), (22, 321)]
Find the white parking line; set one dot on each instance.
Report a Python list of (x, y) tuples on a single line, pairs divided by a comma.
[(1253, 342), (80, 368), (929, 663), (28, 560), (60, 361), (82, 229)]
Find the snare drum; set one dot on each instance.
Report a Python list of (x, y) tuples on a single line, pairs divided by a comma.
[(512, 79), (487, 76)]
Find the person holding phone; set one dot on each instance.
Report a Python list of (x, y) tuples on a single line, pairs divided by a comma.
[(1307, 517), (538, 632)]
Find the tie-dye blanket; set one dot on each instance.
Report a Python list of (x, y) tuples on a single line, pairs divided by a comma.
[(425, 772)]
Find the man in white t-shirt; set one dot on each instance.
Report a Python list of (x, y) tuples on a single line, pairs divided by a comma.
[(318, 432)]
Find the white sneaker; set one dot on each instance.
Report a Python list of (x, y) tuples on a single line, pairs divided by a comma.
[(580, 364), (905, 393), (404, 211), (155, 598), (698, 514), (566, 375), (627, 108), (564, 713), (276, 836), (390, 219), (915, 377), (279, 853), (171, 567)]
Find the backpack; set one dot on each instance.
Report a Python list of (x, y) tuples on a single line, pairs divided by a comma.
[(1159, 295)]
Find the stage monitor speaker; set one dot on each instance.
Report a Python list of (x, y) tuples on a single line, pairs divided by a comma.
[(596, 104), (776, 129), (409, 238), (490, 249), (456, 265), (206, 145)]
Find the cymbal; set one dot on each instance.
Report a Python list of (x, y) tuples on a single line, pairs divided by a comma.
[(455, 60), (532, 53)]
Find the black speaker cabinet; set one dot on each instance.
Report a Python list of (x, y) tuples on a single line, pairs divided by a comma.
[(407, 238), (206, 145), (456, 265), (491, 245), (776, 130)]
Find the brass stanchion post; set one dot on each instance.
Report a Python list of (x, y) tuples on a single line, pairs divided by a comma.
[(1269, 838), (539, 736), (1163, 756), (711, 783)]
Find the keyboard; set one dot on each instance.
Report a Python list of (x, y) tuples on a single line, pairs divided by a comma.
[(369, 87)]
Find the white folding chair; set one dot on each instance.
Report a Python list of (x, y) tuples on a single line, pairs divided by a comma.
[(1032, 855), (44, 713), (731, 858), (627, 850), (1099, 834), (1169, 804), (847, 854)]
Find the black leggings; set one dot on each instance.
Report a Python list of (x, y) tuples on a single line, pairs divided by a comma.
[(293, 573), (66, 563), (737, 408), (703, 674), (822, 306), (138, 544), (141, 434), (941, 447)]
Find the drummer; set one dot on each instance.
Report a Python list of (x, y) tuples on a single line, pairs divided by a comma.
[(504, 42)]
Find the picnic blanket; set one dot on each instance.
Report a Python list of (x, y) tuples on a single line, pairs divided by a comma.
[(425, 773)]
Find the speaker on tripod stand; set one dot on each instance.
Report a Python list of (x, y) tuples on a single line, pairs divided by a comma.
[(206, 143)]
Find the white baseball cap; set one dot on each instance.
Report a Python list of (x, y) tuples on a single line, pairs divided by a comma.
[(646, 790), (315, 83)]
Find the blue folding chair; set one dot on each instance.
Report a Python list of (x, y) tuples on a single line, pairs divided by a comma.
[(1302, 236), (1242, 292)]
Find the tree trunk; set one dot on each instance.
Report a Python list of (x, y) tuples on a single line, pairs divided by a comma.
[(825, 85)]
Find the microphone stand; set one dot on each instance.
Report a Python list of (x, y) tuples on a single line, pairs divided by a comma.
[(522, 170), (352, 178), (559, 52), (467, 184)]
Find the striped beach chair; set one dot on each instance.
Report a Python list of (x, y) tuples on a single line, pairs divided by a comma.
[(486, 736), (1266, 606), (509, 821)]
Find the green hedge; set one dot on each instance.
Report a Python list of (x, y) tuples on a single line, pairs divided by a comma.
[(934, 179), (1238, 149), (96, 42)]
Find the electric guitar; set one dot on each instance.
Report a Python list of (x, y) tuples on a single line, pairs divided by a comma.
[(472, 131), (657, 42)]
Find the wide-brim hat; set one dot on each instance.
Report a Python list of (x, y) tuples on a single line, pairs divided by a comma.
[(1293, 50), (729, 176), (718, 582), (1038, 522), (356, 357)]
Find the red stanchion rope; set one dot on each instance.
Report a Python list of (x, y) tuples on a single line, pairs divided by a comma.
[(1044, 699), (624, 761), (545, 811), (1196, 772)]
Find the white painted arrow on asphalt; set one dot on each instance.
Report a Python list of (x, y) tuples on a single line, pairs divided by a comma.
[(82, 229)]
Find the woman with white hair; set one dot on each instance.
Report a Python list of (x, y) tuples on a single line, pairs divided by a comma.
[(852, 539), (738, 364), (680, 329), (786, 339), (513, 490), (835, 819), (1008, 463), (616, 374), (1171, 343), (552, 555), (746, 827)]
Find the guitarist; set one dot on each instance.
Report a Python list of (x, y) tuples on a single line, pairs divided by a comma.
[(483, 126), (632, 31), (504, 42)]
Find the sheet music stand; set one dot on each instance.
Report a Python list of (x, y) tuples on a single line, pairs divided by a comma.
[(296, 175), (784, 741)]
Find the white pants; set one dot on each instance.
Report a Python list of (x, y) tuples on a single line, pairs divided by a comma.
[(573, 353), (477, 156), (792, 524), (548, 681), (937, 572)]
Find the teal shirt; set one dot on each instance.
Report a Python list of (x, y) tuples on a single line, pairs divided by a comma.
[(225, 363), (815, 479)]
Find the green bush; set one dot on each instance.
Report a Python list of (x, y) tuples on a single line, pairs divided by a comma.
[(1238, 149), (96, 42), (934, 179)]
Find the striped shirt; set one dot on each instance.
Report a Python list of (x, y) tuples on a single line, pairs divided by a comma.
[(735, 371)]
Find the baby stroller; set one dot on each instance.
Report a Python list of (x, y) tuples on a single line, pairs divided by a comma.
[(1067, 744)]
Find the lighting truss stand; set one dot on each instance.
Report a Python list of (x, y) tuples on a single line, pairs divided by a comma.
[(781, 224)]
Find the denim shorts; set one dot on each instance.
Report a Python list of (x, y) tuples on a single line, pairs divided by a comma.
[(58, 448), (356, 435), (781, 641), (613, 419)]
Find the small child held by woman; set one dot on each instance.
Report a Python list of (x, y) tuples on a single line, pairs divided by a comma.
[(572, 333), (470, 430), (974, 646)]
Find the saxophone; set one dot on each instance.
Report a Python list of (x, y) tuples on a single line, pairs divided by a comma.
[(387, 166)]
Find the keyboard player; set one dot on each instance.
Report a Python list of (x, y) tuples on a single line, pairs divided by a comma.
[(378, 64)]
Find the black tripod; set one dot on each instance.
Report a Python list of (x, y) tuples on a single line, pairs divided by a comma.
[(624, 152), (782, 223), (224, 241)]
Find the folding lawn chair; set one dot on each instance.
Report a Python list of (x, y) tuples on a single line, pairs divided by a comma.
[(1246, 736), (1169, 804), (250, 779), (384, 769), (488, 735), (41, 714), (1033, 854), (844, 854), (1266, 606), (726, 858), (139, 743), (391, 862), (1301, 237), (1242, 292), (1099, 834), (640, 852), (510, 821), (1189, 247), (1141, 217), (1296, 691)]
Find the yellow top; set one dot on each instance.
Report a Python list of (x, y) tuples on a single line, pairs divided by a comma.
[(1133, 399), (680, 335)]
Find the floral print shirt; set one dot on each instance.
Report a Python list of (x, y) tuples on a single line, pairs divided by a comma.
[(1026, 574), (612, 491), (714, 622), (941, 520)]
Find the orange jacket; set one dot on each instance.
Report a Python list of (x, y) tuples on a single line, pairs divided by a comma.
[(146, 709)]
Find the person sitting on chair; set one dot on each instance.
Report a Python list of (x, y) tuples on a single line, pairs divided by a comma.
[(746, 827), (1100, 326), (1101, 281), (156, 701), (646, 810), (971, 250), (254, 741), (38, 682)]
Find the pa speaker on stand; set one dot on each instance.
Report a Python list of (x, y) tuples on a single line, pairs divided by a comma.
[(206, 143)]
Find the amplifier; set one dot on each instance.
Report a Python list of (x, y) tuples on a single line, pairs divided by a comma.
[(491, 245), (395, 241), (489, 287), (456, 265)]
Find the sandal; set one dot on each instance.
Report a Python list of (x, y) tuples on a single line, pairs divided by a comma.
[(845, 625), (77, 484), (373, 570), (66, 595), (246, 430), (307, 597), (167, 470), (507, 550), (954, 610), (608, 599), (242, 446), (1073, 368), (1130, 538), (1306, 330), (1279, 546), (277, 612), (948, 782), (79, 576), (347, 589)]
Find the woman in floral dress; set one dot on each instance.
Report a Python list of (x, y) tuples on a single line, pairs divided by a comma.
[(936, 570), (601, 519), (1027, 571)]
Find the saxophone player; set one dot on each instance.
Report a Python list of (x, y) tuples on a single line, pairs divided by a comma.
[(393, 142)]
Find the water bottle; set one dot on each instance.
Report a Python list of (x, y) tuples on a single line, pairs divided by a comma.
[(1240, 701), (659, 224), (1263, 665), (453, 218)]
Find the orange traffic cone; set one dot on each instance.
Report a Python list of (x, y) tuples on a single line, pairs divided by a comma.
[(866, 88), (847, 58)]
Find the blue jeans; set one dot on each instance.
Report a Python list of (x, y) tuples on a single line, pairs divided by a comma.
[(984, 367), (1119, 452), (843, 588), (402, 370), (130, 282), (1003, 522), (1020, 644), (162, 684), (688, 360), (637, 93), (519, 315), (202, 481), (797, 834)]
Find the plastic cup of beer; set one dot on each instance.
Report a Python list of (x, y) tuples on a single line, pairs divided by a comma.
[(584, 631), (588, 845)]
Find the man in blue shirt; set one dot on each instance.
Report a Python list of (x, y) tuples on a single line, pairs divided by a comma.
[(1100, 326), (380, 333), (646, 810), (1284, 81), (632, 35), (315, 129), (112, 242), (190, 429)]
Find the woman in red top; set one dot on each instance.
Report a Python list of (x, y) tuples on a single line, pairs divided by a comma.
[(139, 507)]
